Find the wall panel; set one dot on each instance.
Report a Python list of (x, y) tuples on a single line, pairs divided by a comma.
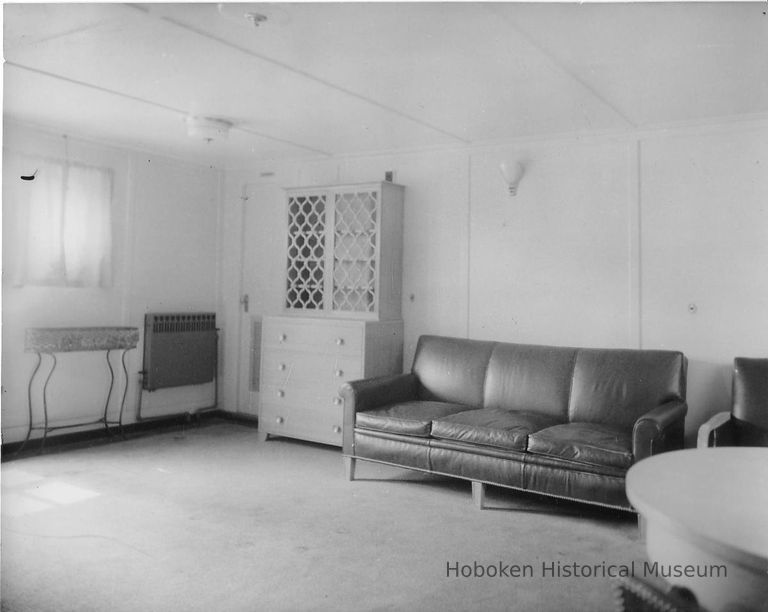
[(551, 264), (705, 254)]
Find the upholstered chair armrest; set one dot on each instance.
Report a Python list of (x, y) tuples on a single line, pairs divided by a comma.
[(717, 431), (658, 430), (370, 393)]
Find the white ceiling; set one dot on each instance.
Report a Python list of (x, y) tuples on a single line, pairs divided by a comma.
[(322, 79)]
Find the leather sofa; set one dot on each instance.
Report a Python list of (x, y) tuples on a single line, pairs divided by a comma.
[(564, 422)]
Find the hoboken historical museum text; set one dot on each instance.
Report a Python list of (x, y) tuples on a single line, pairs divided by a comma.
[(573, 569)]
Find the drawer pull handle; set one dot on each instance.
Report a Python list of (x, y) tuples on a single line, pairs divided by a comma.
[(339, 341), (281, 393), (279, 420), (283, 338), (337, 400), (336, 429), (339, 373), (281, 367)]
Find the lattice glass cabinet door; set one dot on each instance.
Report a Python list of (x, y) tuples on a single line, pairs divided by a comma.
[(354, 250), (345, 251), (307, 228)]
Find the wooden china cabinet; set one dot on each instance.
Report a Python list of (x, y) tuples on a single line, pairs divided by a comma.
[(342, 307)]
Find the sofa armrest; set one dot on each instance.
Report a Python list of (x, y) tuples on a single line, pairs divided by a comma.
[(659, 430), (371, 393), (717, 431)]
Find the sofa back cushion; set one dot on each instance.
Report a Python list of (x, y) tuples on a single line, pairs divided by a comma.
[(530, 378), (452, 369), (617, 386)]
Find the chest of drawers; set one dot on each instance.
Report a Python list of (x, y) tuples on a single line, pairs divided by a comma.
[(305, 360)]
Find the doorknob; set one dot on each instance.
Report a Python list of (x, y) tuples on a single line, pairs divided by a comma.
[(244, 302)]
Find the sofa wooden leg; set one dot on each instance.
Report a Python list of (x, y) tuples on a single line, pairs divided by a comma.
[(478, 494), (349, 466)]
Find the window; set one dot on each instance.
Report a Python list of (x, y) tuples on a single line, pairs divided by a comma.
[(63, 225)]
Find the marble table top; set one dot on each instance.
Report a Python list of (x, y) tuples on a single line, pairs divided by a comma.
[(70, 339)]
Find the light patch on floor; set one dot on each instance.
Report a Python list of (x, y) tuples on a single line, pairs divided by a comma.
[(16, 504), (25, 492), (15, 478), (61, 493)]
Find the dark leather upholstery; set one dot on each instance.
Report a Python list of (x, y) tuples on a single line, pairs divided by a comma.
[(749, 434), (750, 391), (593, 443), (560, 463), (451, 369), (618, 386), (660, 429), (491, 427), (505, 469), (372, 393), (747, 422), (406, 451), (530, 378), (572, 483), (410, 418), (567, 422)]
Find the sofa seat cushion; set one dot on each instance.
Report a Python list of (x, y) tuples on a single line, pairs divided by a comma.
[(495, 427), (407, 418), (590, 443)]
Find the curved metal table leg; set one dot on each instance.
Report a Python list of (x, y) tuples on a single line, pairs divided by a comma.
[(29, 402), (45, 400), (109, 393), (52, 340), (125, 394)]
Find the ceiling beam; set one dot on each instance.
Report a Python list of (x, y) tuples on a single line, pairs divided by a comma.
[(182, 113), (299, 72), (561, 66)]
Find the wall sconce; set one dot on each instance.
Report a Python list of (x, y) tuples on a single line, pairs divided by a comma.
[(512, 173)]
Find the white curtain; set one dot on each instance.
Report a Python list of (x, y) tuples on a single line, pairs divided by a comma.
[(64, 224)]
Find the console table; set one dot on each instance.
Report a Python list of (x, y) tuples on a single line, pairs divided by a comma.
[(705, 509), (52, 340)]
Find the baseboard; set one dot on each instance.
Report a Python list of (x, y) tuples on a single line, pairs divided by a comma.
[(239, 417), (90, 437)]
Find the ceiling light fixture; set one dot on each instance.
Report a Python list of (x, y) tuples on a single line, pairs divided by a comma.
[(208, 128), (253, 14), (256, 19)]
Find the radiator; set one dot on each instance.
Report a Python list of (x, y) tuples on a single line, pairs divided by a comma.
[(179, 349)]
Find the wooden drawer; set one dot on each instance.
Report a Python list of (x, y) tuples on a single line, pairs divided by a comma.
[(284, 367), (282, 419), (327, 337), (319, 398)]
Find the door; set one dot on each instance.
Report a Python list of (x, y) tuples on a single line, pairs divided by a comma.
[(262, 269)]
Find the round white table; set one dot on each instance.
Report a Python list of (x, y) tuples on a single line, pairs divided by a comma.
[(704, 513)]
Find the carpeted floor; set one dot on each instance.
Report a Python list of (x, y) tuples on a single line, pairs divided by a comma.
[(207, 518)]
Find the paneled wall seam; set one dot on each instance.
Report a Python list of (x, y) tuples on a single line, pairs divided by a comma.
[(636, 240), (469, 244)]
